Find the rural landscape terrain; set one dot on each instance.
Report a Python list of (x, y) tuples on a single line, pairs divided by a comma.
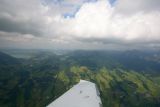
[(35, 78)]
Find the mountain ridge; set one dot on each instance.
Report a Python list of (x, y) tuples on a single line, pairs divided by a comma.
[(45, 77)]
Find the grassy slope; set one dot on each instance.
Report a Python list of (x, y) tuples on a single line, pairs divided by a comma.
[(118, 88), (45, 78)]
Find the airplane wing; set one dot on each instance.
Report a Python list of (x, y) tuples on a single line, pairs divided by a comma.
[(83, 94)]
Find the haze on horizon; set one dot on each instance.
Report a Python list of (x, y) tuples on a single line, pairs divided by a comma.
[(80, 24)]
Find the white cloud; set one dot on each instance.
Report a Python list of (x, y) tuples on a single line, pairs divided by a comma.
[(100, 20), (99, 24), (134, 6)]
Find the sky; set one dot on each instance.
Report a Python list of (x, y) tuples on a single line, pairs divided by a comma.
[(80, 24)]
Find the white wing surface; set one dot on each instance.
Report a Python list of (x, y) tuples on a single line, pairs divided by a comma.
[(83, 94)]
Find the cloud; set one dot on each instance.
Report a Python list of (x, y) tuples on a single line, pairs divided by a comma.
[(22, 16), (81, 23), (100, 20), (134, 6)]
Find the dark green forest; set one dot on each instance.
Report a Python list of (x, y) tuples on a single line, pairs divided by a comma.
[(36, 78)]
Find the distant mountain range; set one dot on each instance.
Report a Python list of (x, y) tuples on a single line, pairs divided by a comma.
[(125, 79)]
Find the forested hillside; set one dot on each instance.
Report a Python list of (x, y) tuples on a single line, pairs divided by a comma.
[(124, 79)]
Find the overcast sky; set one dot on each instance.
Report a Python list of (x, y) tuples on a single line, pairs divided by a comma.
[(80, 24)]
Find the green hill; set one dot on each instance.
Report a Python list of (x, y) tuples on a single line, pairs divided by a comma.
[(118, 88), (38, 81)]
